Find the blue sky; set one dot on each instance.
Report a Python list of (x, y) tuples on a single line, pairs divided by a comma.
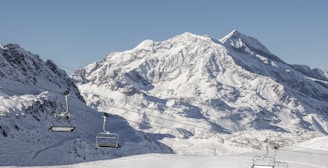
[(74, 33)]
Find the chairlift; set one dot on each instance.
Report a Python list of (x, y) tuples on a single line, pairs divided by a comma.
[(263, 161), (266, 161), (64, 121), (107, 139), (280, 164)]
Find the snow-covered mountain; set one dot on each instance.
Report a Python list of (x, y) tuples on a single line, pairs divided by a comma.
[(193, 86), (22, 72), (188, 95), (31, 92)]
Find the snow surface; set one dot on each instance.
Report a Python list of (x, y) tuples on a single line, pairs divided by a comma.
[(309, 154)]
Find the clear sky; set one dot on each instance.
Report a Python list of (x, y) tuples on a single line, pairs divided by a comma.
[(74, 33)]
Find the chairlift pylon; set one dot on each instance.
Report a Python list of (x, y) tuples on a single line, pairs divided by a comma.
[(107, 139), (64, 121)]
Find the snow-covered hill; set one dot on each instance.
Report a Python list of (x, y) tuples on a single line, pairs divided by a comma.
[(304, 155), (193, 86), (31, 92)]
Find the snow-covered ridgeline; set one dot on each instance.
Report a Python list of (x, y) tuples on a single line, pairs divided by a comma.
[(228, 85)]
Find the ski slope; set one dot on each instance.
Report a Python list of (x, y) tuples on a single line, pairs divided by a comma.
[(308, 154)]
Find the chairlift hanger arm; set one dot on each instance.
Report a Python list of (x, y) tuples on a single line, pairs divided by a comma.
[(104, 123), (64, 117)]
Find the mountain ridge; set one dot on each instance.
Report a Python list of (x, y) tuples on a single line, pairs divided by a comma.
[(236, 68)]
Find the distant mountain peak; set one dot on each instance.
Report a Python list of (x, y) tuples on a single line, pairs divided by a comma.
[(21, 66), (13, 47), (235, 32), (190, 36), (246, 44), (237, 39), (10, 46), (145, 44)]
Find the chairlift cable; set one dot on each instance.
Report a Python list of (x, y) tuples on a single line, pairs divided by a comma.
[(122, 108), (88, 111)]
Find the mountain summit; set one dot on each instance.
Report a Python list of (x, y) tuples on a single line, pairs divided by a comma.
[(239, 40), (250, 45), (192, 85)]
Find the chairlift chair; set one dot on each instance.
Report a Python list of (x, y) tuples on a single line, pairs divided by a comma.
[(266, 161), (107, 139), (263, 161), (64, 122), (279, 164)]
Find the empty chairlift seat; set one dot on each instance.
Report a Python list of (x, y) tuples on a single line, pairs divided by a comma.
[(263, 161), (107, 139), (64, 121)]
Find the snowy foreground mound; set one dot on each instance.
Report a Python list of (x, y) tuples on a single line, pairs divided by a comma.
[(309, 154)]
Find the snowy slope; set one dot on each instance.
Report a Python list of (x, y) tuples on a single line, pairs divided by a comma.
[(31, 92), (294, 157), (194, 86)]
